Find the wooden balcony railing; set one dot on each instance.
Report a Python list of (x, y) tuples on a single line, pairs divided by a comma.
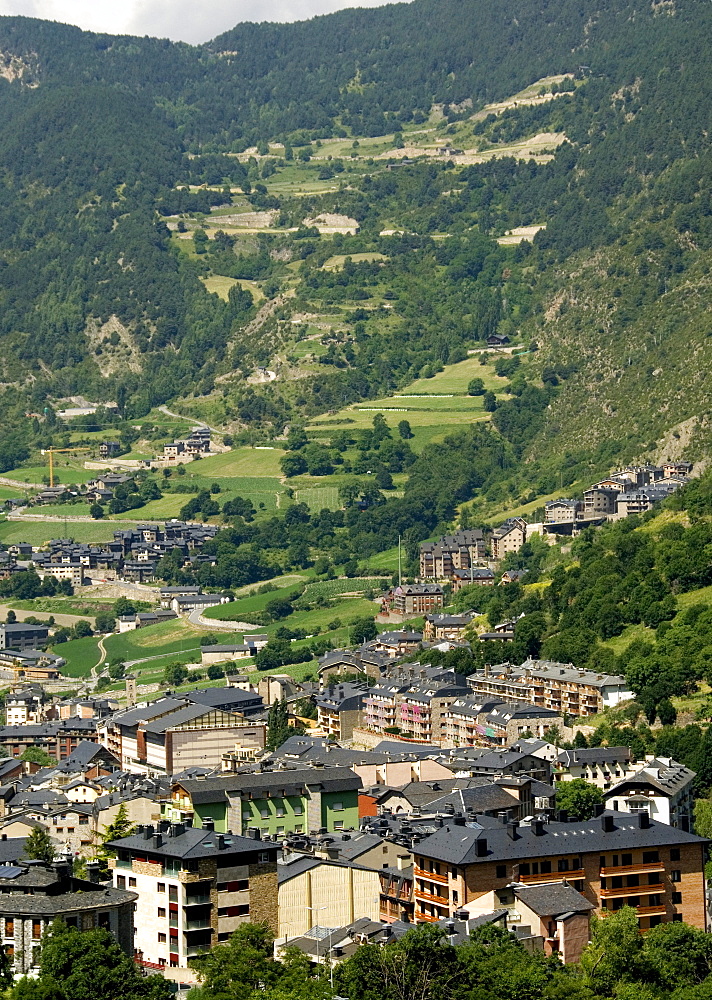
[(572, 876), (651, 866), (430, 876), (632, 890)]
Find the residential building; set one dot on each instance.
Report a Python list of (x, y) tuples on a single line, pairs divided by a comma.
[(107, 449), (197, 602), (20, 636), (600, 766), (422, 708), (469, 722), (613, 860), (276, 802), (556, 511), (28, 705), (508, 537), (599, 500), (194, 887), (662, 788), (396, 644), (558, 686), (457, 551), (414, 599), (556, 914), (58, 738), (329, 893), (447, 626), (480, 576), (33, 895), (339, 709)]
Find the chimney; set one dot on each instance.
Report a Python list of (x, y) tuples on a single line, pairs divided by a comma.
[(157, 840), (459, 820), (481, 847), (512, 829), (208, 824), (537, 826), (253, 833), (221, 842), (563, 816), (607, 824), (599, 809), (147, 831), (93, 871), (644, 820)]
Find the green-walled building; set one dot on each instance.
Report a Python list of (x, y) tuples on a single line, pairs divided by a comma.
[(274, 802)]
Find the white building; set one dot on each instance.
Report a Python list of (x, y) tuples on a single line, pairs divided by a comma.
[(661, 787)]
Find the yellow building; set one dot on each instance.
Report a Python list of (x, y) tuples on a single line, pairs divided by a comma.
[(328, 893)]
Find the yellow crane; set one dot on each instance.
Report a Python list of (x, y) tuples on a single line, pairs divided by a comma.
[(55, 451)]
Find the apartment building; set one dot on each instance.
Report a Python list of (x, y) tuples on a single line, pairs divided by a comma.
[(423, 706), (452, 627), (412, 599), (613, 860), (329, 893), (194, 888), (275, 802), (558, 686), (413, 700), (20, 636), (339, 709), (451, 552), (508, 537), (470, 722), (600, 766)]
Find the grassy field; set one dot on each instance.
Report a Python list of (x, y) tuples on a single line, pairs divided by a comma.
[(252, 462), (156, 640), (81, 655), (240, 610), (38, 532), (319, 497), (9, 493), (65, 471)]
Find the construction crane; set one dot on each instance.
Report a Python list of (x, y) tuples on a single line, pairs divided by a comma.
[(55, 451)]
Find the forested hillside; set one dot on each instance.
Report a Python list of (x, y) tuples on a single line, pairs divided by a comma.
[(113, 147)]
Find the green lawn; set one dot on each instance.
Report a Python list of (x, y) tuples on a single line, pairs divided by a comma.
[(81, 655), (9, 493), (241, 462), (319, 498), (240, 610), (65, 471), (38, 532), (456, 378), (155, 640)]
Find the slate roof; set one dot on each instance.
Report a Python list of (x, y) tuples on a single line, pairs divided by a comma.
[(332, 779), (553, 900), (594, 755), (193, 844), (456, 844), (187, 713), (665, 776)]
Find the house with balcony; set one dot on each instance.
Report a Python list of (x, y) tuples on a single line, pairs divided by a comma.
[(194, 888), (603, 767), (661, 787), (339, 709), (613, 860), (508, 537)]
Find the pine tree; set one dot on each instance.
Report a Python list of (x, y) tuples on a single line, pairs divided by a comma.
[(278, 728), (39, 846), (120, 827)]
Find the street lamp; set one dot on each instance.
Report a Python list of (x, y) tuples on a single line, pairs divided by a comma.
[(317, 908)]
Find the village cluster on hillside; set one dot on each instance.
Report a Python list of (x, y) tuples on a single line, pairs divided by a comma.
[(416, 795)]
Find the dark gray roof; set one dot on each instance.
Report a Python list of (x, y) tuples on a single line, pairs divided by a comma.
[(186, 713), (193, 844), (331, 779), (456, 844), (553, 900), (594, 755), (481, 798), (144, 713)]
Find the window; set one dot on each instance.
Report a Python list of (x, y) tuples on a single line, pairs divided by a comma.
[(627, 859), (298, 811), (36, 929), (299, 828), (9, 927), (501, 871), (563, 864), (263, 857), (104, 921), (161, 887), (132, 883), (161, 937), (338, 807), (264, 813), (675, 875), (524, 869), (649, 857), (339, 824), (83, 820), (602, 861), (677, 917), (677, 897), (546, 867), (280, 812), (654, 921), (161, 911), (120, 881), (173, 893), (633, 880), (674, 853)]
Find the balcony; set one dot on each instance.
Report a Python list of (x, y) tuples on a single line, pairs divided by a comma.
[(430, 898), (541, 879), (200, 924), (650, 867), (632, 890), (430, 876), (197, 900), (651, 911)]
